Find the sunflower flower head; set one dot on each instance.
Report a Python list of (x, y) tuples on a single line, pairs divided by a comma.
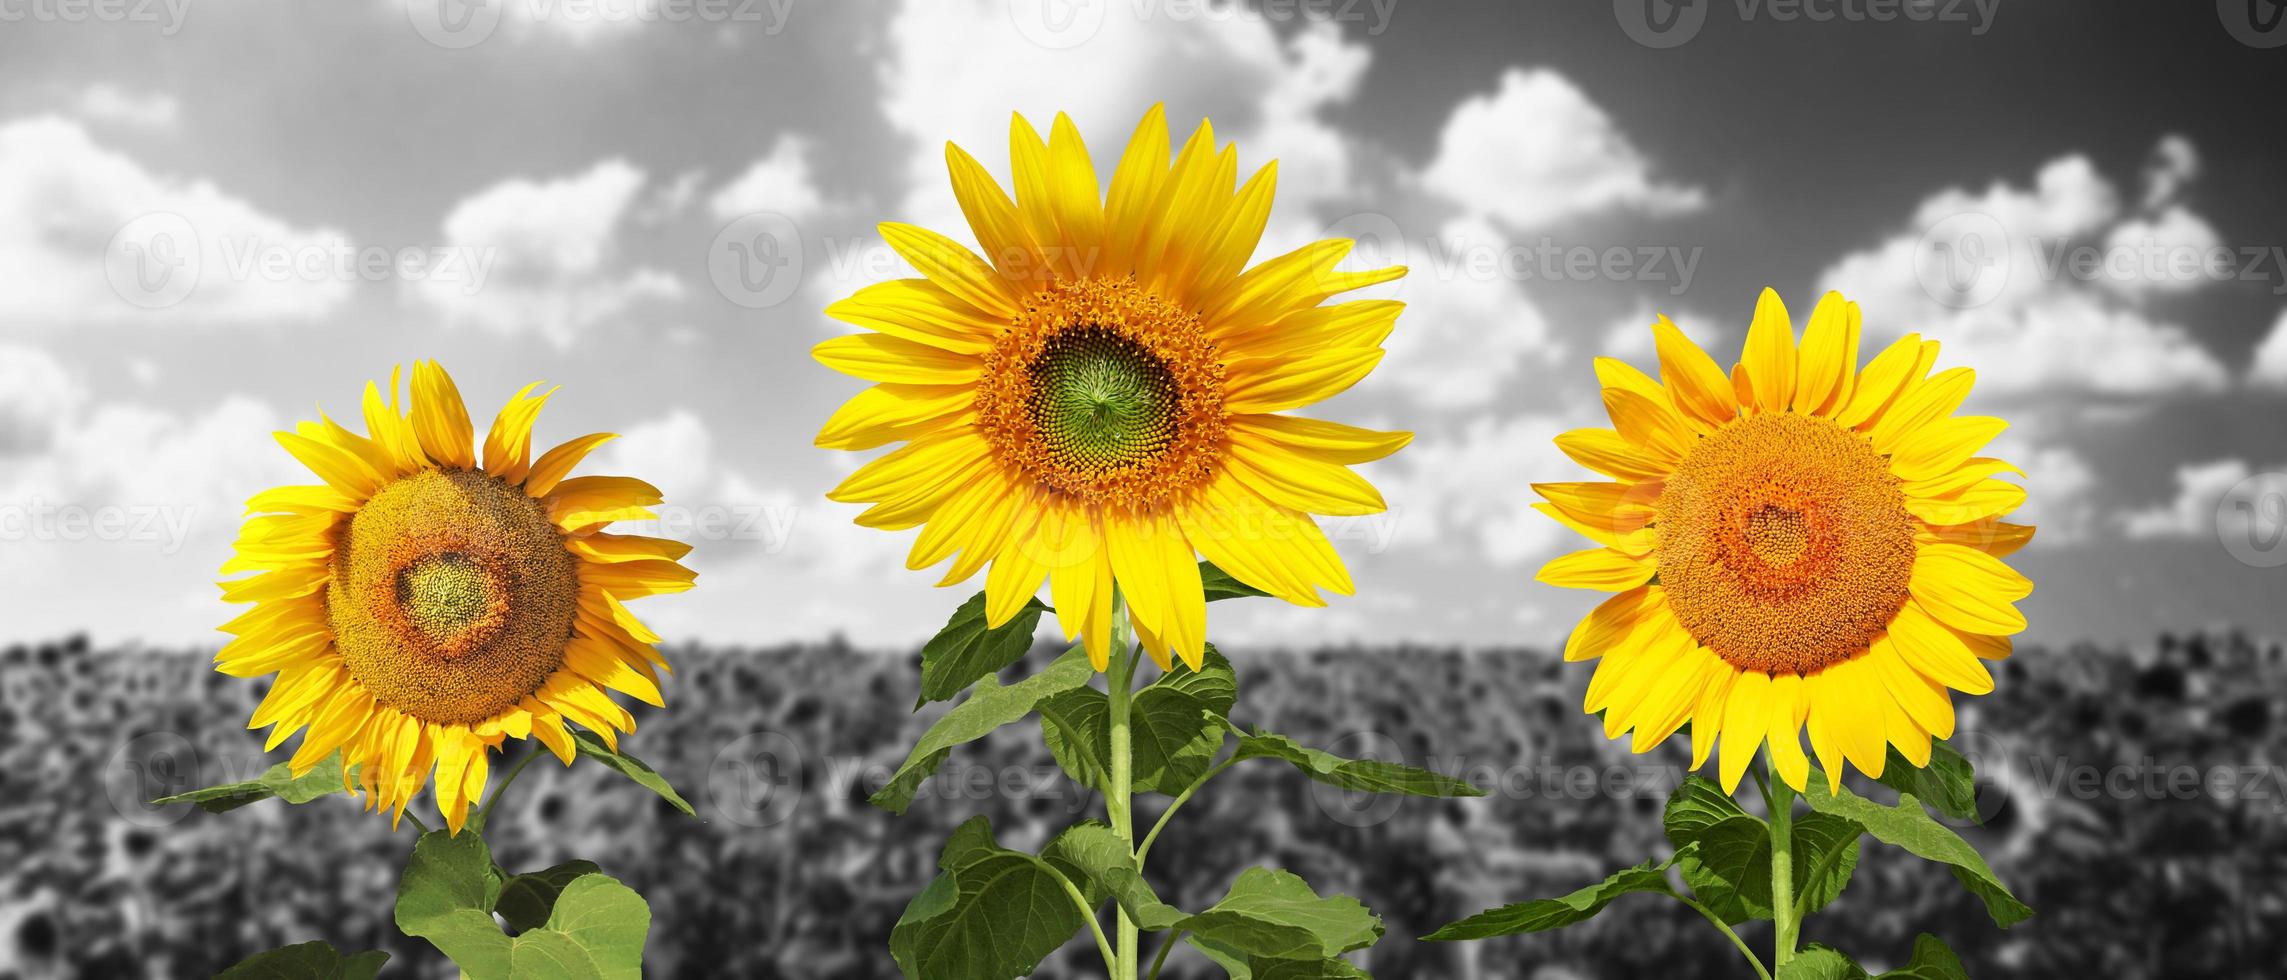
[(1795, 545), (1096, 400), (422, 604)]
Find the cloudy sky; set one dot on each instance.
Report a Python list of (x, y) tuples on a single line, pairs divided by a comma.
[(218, 218)]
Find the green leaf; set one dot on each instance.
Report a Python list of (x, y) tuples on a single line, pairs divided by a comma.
[(1541, 915), (1816, 962), (1219, 584), (631, 767), (317, 960), (595, 930), (992, 914), (1932, 960), (447, 897), (527, 899), (987, 708), (323, 779), (1240, 966), (1908, 826), (1273, 915), (1175, 727), (967, 649), (1097, 853), (1730, 870), (1948, 784), (1360, 775)]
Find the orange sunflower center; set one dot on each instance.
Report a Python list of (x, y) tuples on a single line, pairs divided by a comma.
[(452, 596), (1785, 543), (1105, 392)]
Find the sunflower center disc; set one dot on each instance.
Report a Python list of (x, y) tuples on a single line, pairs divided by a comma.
[(1103, 392), (1785, 543), (446, 595), (452, 596), (1101, 401)]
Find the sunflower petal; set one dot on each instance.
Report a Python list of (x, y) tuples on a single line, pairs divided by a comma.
[(1769, 357)]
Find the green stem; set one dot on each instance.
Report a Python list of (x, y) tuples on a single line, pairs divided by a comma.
[(1161, 959), (502, 789), (1786, 919), (1725, 928), (1087, 912), (1144, 849), (1826, 866), (417, 824), (1118, 797)]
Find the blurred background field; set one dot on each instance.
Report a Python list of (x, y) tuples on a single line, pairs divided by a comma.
[(790, 873)]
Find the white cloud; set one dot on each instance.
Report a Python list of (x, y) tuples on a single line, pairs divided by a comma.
[(104, 103), (554, 253), (2158, 253), (2060, 488), (2174, 164), (89, 235), (1537, 151), (781, 181), (1987, 274), (2199, 488), (1464, 332), (754, 539), (672, 453), (955, 69), (1474, 486), (144, 500), (2270, 365), (37, 398)]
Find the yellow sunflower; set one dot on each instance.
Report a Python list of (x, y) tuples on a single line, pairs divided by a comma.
[(419, 608), (1095, 400), (1795, 545)]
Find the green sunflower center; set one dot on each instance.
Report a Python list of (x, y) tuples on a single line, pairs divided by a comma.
[(1101, 401), (444, 594)]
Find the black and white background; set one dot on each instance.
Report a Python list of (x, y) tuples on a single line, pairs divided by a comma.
[(219, 217)]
